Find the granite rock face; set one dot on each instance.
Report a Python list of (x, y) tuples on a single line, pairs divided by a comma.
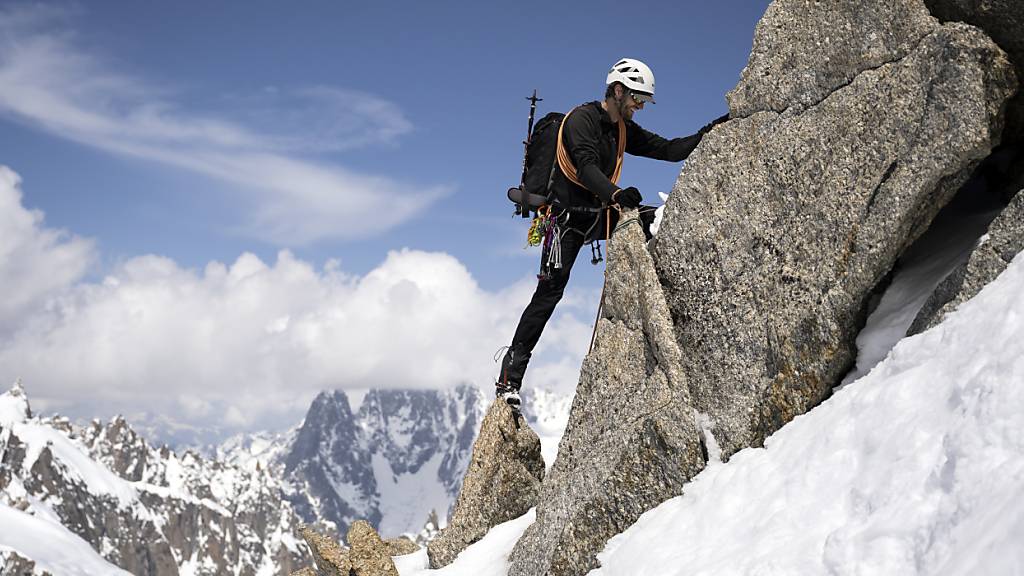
[(632, 441), (1003, 21), (502, 483), (781, 224), (1004, 240), (805, 49)]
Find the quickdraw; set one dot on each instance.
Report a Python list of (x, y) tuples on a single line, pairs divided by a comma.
[(548, 232)]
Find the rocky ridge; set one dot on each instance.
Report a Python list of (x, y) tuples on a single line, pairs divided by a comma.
[(632, 439), (366, 555)]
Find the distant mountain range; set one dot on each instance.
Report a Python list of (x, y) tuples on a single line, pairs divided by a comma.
[(394, 461), (146, 510)]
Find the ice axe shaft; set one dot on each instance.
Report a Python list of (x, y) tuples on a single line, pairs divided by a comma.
[(524, 208)]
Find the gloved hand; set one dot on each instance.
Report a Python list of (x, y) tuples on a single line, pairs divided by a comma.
[(627, 197), (707, 127)]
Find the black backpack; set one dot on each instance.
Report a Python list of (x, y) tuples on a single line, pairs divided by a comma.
[(540, 166)]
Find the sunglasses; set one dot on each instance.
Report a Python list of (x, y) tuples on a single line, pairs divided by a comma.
[(641, 98)]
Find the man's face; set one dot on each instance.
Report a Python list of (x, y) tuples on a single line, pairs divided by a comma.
[(629, 103)]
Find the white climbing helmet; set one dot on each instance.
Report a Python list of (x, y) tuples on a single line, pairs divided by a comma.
[(634, 75)]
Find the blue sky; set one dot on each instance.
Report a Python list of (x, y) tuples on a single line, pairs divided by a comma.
[(456, 73), (196, 132)]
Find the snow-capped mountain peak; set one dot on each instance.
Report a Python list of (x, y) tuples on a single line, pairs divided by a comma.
[(392, 462)]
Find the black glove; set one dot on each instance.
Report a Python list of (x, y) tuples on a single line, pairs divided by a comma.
[(628, 197), (707, 127)]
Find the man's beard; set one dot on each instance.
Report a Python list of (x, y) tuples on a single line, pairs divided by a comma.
[(624, 111)]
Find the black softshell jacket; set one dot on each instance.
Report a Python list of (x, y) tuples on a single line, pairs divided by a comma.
[(591, 138)]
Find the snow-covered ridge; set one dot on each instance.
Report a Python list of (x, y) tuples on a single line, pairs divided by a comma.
[(396, 460), (148, 511)]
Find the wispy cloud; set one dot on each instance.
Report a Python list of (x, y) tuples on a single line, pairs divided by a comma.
[(261, 145), (250, 339)]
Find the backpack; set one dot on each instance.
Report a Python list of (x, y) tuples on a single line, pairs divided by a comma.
[(539, 166), (544, 156)]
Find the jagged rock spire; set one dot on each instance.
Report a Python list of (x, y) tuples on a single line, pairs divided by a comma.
[(501, 483)]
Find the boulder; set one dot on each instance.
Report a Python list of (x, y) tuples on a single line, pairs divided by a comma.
[(995, 250), (501, 483), (331, 558), (631, 441), (401, 546), (367, 552), (781, 224), (1003, 21)]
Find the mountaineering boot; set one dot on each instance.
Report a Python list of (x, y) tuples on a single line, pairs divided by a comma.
[(509, 394), (510, 378)]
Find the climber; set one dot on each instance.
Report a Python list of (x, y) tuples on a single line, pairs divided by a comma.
[(587, 198)]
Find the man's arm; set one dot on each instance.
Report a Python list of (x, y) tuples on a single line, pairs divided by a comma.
[(640, 142)]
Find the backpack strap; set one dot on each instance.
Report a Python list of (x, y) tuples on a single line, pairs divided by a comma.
[(565, 161)]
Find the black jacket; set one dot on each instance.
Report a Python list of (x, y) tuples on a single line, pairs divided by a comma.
[(591, 138)]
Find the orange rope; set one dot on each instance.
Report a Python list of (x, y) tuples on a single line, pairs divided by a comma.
[(565, 162)]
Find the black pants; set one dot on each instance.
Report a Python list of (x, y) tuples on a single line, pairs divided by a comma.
[(580, 229)]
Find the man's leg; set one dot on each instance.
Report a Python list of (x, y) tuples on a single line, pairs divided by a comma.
[(546, 296)]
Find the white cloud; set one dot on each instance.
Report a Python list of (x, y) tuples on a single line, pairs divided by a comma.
[(247, 344), (35, 262), (51, 82)]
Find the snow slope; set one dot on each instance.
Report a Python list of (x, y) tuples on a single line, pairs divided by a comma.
[(52, 546), (916, 468)]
